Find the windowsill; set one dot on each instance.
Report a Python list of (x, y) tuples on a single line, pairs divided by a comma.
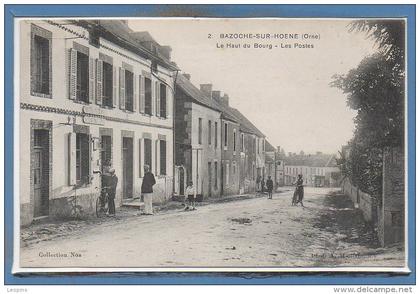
[(161, 176), (41, 95), (80, 186), (146, 114), (225, 148), (107, 107), (127, 111), (81, 102)]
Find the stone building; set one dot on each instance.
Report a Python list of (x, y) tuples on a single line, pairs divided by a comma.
[(198, 140), (391, 209), (230, 155), (90, 95), (252, 148)]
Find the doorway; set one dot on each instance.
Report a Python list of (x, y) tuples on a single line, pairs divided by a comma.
[(41, 172), (127, 167), (209, 176)]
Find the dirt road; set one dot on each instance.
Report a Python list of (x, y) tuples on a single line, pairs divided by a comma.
[(247, 233)]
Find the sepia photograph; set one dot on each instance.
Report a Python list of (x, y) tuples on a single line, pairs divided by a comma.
[(192, 144)]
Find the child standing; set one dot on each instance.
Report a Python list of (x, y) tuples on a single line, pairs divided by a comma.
[(191, 194)]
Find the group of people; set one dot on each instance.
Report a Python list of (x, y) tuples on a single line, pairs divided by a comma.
[(110, 182), (268, 186)]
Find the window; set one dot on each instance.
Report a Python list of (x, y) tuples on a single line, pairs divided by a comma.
[(215, 134), (234, 140), (258, 145), (106, 151), (162, 157), (215, 175), (148, 96), (227, 173), (40, 65), (209, 132), (82, 77), (200, 130), (148, 152), (82, 159), (226, 135), (129, 90), (242, 143), (163, 101), (107, 85)]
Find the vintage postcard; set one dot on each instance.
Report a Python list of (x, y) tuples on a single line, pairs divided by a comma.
[(210, 144)]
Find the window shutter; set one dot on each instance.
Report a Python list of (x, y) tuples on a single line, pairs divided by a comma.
[(135, 98), (71, 159), (122, 88), (142, 95), (157, 157), (114, 86), (168, 93), (99, 81), (90, 159), (73, 74), (157, 93), (91, 80), (33, 63)]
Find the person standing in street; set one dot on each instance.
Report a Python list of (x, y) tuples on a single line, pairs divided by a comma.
[(262, 185), (269, 185), (299, 190), (112, 189), (191, 195), (147, 190)]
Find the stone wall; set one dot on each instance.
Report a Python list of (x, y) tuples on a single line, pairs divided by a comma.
[(393, 203)]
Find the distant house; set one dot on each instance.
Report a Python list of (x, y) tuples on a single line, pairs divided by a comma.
[(317, 170)]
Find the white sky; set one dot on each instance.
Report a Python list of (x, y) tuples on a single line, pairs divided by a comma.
[(284, 92)]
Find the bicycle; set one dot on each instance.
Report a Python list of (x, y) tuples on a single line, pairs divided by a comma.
[(102, 203)]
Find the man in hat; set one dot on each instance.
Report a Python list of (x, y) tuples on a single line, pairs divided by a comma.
[(147, 190), (112, 189)]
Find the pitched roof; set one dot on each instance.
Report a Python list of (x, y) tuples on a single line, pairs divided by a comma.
[(246, 123), (199, 97), (119, 32), (313, 160), (194, 93), (269, 147)]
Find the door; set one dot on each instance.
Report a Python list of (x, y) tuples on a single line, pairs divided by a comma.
[(181, 180), (222, 178), (40, 172), (209, 178), (127, 167)]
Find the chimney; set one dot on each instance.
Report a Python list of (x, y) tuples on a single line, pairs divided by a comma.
[(206, 89), (278, 149), (290, 154), (166, 51), (215, 95), (225, 99), (187, 76)]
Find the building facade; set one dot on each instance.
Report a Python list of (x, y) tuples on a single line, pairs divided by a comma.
[(89, 99), (197, 140)]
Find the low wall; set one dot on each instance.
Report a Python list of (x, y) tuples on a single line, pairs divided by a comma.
[(361, 200)]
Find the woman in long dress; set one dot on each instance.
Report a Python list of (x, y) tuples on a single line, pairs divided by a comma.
[(299, 190)]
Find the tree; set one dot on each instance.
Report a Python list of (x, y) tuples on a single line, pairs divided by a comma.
[(375, 89)]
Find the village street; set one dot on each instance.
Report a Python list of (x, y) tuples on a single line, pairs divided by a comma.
[(246, 233)]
